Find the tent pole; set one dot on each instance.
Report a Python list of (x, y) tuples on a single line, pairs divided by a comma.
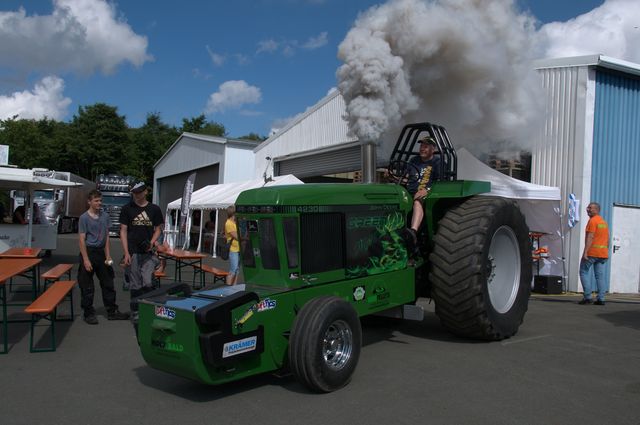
[(201, 226), (28, 208), (215, 236)]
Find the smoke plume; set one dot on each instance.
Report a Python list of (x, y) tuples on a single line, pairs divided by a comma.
[(464, 64)]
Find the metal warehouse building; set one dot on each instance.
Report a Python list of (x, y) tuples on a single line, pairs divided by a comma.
[(590, 147), (215, 159)]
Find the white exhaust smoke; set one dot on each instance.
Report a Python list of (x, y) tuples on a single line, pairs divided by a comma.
[(464, 64)]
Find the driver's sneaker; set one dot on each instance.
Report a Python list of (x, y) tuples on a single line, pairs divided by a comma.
[(586, 301), (117, 315), (411, 241), (599, 302)]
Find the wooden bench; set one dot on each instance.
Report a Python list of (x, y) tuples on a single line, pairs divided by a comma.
[(157, 276), (217, 273), (55, 273), (45, 307)]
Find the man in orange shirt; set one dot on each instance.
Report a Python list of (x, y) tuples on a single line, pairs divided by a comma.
[(595, 254)]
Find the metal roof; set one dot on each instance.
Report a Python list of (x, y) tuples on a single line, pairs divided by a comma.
[(209, 139), (298, 119), (590, 60)]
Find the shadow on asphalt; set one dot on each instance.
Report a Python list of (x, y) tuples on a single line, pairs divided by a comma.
[(201, 393), (374, 329), (628, 319)]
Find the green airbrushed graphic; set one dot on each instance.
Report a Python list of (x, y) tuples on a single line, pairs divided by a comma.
[(394, 252)]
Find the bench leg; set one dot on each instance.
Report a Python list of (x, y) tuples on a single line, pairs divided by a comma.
[(198, 272), (5, 327), (47, 282), (34, 320), (72, 316)]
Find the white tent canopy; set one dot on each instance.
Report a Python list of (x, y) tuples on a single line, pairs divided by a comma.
[(470, 168), (27, 179), (216, 197), (30, 180), (539, 204)]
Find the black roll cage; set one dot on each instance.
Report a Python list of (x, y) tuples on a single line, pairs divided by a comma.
[(407, 146)]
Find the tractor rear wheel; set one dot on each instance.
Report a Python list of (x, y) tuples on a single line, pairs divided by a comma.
[(325, 344), (481, 268)]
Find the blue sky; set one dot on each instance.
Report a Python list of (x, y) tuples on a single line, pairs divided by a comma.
[(249, 65)]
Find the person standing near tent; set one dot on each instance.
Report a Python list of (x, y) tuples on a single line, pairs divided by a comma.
[(140, 228), (595, 255), (95, 258), (231, 235)]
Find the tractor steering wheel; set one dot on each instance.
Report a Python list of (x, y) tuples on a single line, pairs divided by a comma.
[(403, 172)]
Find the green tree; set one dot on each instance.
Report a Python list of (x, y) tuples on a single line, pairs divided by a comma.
[(150, 142), (254, 136), (200, 125), (24, 140), (34, 143), (100, 141)]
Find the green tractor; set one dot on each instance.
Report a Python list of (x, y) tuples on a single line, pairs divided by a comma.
[(317, 257)]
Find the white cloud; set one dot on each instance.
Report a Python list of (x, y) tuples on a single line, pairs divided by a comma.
[(80, 36), (233, 95), (197, 73), (216, 58), (242, 59), (610, 29), (268, 46), (288, 47), (45, 100), (316, 42)]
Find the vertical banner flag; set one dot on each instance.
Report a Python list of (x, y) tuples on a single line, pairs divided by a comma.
[(186, 198)]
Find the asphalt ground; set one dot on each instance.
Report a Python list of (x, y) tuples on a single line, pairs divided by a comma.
[(568, 364)]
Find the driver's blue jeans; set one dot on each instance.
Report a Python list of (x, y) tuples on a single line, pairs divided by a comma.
[(586, 277)]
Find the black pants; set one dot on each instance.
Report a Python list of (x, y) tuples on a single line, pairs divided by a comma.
[(85, 280)]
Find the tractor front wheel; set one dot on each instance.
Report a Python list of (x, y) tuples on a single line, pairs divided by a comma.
[(325, 344), (481, 268)]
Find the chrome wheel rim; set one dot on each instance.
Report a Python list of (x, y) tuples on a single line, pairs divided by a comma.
[(337, 345)]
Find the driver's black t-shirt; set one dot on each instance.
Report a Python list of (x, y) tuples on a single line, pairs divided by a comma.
[(428, 171), (140, 222)]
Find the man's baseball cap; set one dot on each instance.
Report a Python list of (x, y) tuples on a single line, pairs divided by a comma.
[(138, 187), (428, 140)]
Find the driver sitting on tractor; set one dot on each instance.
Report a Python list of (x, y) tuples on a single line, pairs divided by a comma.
[(428, 167)]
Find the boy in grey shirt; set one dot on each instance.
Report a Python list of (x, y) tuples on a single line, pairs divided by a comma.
[(95, 258)]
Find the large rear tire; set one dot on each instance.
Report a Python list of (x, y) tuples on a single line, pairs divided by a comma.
[(325, 344), (481, 268)]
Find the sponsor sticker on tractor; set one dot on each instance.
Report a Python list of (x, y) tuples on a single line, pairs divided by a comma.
[(165, 312), (240, 346), (266, 304), (359, 293)]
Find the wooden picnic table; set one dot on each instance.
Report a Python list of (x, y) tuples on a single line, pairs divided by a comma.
[(10, 268), (18, 252), (183, 258)]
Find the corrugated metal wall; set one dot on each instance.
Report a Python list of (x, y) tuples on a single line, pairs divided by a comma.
[(563, 149), (616, 141), (321, 163), (554, 159), (615, 174), (321, 127), (190, 153)]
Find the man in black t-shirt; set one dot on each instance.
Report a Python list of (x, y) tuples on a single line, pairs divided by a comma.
[(140, 227)]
